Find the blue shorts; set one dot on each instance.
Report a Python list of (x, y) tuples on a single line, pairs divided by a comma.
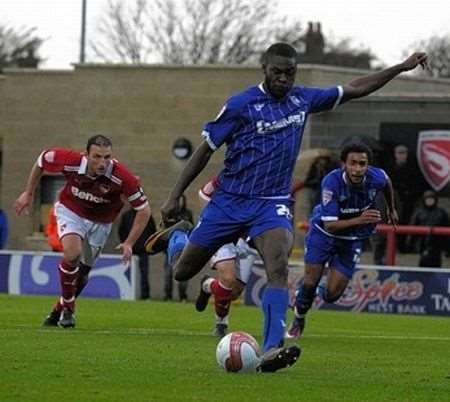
[(228, 216), (338, 253)]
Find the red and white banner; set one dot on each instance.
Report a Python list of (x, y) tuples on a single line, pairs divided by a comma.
[(433, 155)]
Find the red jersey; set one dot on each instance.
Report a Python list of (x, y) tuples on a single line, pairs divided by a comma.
[(99, 198)]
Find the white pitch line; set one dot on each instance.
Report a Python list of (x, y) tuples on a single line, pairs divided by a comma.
[(393, 337), (109, 331), (181, 332)]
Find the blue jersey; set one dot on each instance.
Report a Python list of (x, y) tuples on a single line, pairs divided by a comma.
[(263, 137), (340, 201)]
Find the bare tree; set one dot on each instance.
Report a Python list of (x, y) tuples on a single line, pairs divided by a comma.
[(122, 33), (18, 47), (191, 31), (438, 49)]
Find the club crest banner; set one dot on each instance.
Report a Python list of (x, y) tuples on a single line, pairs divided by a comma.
[(433, 156)]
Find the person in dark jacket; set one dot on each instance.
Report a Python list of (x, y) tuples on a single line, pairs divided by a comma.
[(321, 166), (405, 176), (430, 246), (126, 221)]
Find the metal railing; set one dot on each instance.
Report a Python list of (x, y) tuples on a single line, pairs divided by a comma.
[(391, 233)]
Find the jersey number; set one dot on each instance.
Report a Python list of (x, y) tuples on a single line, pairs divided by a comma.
[(357, 255), (283, 210)]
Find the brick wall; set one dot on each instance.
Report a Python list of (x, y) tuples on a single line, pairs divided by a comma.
[(144, 109)]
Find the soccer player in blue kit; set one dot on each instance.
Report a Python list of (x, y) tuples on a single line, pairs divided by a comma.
[(339, 225), (262, 128)]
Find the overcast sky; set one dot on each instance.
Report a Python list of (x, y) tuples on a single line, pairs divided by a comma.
[(387, 27)]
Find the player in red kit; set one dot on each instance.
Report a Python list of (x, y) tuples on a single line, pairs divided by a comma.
[(91, 199), (233, 263)]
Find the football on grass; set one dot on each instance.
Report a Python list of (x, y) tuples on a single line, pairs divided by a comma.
[(238, 352)]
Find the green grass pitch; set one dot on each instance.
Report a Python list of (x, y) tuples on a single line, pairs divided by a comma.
[(155, 351)]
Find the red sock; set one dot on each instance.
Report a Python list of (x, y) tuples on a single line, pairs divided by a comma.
[(222, 298), (59, 305), (68, 278)]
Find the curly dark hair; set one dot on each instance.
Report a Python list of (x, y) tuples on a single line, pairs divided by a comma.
[(358, 147)]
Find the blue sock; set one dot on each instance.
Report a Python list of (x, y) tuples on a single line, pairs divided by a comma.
[(274, 303), (177, 242)]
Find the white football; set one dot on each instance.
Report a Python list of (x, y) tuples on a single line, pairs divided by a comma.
[(238, 352)]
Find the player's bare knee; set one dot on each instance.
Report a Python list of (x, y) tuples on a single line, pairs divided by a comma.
[(72, 258), (227, 278), (313, 273), (277, 276)]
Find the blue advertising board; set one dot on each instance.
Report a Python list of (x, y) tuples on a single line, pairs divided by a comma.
[(36, 273), (374, 289)]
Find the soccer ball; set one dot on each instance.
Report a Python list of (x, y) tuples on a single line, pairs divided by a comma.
[(238, 352)]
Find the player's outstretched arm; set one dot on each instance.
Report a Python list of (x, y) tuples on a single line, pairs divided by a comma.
[(195, 165), (367, 217), (363, 86), (25, 199), (139, 223)]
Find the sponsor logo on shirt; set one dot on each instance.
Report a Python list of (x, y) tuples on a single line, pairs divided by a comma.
[(349, 210), (354, 210), (50, 156), (264, 127), (295, 100), (84, 195)]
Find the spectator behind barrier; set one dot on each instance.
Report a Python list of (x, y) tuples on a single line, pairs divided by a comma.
[(404, 175), (320, 167), (430, 246)]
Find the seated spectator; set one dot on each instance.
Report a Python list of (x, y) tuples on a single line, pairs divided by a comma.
[(430, 246)]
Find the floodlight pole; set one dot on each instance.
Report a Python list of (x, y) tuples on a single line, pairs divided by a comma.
[(83, 32)]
